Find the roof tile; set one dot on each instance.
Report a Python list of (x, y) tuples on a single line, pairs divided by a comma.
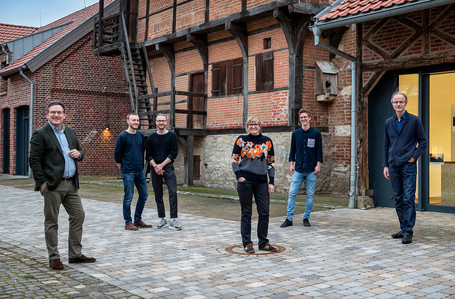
[(10, 32), (76, 19), (355, 7)]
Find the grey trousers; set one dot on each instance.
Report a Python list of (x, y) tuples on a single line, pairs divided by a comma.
[(67, 195)]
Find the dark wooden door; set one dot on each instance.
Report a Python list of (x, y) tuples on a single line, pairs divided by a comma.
[(22, 140), (379, 109), (196, 121), (6, 140)]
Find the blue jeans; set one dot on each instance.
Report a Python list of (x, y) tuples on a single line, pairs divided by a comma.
[(296, 182), (260, 191), (129, 180), (403, 180)]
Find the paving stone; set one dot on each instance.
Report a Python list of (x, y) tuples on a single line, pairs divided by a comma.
[(334, 259)]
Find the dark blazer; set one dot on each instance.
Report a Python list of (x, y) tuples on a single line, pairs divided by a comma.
[(400, 147), (46, 157)]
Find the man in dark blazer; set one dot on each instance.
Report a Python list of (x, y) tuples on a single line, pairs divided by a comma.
[(404, 142), (54, 152)]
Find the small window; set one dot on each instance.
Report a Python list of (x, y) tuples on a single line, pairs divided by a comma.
[(227, 77), (264, 72), (267, 43)]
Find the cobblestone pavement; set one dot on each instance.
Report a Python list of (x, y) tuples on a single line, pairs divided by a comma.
[(346, 253)]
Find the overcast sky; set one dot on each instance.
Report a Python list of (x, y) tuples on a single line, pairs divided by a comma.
[(38, 13)]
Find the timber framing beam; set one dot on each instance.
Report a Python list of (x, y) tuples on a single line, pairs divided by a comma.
[(240, 33), (219, 23), (295, 28), (202, 46), (169, 53)]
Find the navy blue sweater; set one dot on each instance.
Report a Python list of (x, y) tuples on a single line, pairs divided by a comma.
[(401, 146), (306, 149), (129, 150)]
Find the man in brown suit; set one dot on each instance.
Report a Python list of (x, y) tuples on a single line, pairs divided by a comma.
[(54, 152)]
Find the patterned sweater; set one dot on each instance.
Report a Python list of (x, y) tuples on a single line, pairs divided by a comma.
[(256, 156)]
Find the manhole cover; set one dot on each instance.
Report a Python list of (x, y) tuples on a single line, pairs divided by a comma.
[(238, 249)]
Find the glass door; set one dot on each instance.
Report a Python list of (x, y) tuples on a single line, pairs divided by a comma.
[(441, 144)]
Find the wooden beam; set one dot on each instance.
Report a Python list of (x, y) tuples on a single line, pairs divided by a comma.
[(306, 8), (169, 53), (219, 23), (207, 11), (240, 33), (174, 16), (295, 28), (147, 19), (201, 44)]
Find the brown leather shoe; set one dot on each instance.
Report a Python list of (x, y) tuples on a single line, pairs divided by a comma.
[(130, 226), (81, 259), (141, 224), (56, 264), (249, 248)]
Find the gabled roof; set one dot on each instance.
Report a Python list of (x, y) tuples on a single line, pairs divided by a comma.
[(9, 32), (79, 24), (346, 12)]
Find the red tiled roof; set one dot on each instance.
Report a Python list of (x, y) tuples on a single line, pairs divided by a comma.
[(357, 7), (76, 19), (10, 32)]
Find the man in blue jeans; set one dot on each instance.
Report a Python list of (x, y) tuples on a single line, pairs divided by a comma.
[(404, 142), (129, 156), (306, 159)]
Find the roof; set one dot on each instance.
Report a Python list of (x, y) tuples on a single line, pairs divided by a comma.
[(77, 28), (356, 7), (9, 32), (346, 12)]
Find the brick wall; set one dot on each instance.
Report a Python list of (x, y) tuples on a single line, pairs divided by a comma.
[(94, 90)]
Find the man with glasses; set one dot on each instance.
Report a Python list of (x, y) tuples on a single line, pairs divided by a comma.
[(404, 142), (161, 151), (54, 153), (306, 159)]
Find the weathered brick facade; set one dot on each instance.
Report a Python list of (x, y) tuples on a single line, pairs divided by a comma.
[(226, 112), (94, 91)]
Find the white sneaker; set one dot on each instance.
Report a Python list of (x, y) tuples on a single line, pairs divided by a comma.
[(175, 225), (163, 223)]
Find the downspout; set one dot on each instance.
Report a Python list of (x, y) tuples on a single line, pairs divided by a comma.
[(353, 178), (21, 70), (7, 54)]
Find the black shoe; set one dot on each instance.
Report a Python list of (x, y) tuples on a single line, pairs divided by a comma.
[(407, 239), (306, 222), (268, 247), (286, 223), (397, 235)]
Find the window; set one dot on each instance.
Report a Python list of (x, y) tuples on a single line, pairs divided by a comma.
[(264, 72), (227, 77), (267, 43)]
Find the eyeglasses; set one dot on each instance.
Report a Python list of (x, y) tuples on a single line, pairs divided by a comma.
[(253, 125), (399, 102), (161, 121)]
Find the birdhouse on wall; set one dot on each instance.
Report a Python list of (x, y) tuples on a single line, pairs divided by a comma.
[(326, 89)]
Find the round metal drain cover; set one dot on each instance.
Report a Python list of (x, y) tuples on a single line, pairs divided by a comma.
[(238, 249)]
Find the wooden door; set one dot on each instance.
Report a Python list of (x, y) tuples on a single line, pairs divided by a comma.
[(196, 121)]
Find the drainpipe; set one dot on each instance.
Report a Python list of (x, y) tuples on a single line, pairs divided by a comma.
[(352, 190), (7, 54), (21, 70)]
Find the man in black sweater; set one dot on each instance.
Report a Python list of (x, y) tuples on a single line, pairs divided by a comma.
[(404, 142), (161, 151)]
